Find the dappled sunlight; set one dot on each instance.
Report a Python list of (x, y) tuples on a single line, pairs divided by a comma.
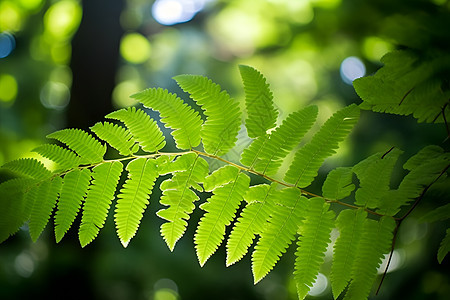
[(55, 73), (170, 12), (351, 69), (319, 286)]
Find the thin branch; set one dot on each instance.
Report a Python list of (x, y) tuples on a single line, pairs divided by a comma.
[(400, 220), (390, 256), (387, 152), (445, 120), (284, 183), (404, 97), (422, 194)]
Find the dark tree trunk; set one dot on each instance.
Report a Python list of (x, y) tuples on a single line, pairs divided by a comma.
[(95, 56)]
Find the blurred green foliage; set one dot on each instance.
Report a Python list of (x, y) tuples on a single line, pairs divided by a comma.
[(298, 45)]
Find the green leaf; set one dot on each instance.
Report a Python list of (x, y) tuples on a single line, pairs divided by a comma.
[(118, 137), (423, 174), (14, 208), (65, 158), (312, 244), (228, 185), (45, 201), (428, 153), (374, 174), (176, 114), (28, 167), (189, 170), (261, 115), (440, 213), (142, 127), (266, 153), (88, 148), (289, 210), (376, 240), (350, 225), (310, 157), (98, 200), (401, 86), (133, 197), (74, 188), (444, 247), (252, 221), (223, 114), (338, 184)]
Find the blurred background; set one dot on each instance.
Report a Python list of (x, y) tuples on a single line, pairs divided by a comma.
[(67, 63)]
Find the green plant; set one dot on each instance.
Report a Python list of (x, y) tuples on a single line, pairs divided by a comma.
[(278, 210)]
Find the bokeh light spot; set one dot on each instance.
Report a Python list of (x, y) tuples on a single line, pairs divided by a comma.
[(63, 18), (24, 264), (10, 17), (397, 259), (62, 74), (61, 53), (170, 12), (55, 95), (351, 69), (165, 289), (135, 48), (30, 4), (7, 44), (122, 92), (374, 48), (319, 286), (165, 294), (8, 88)]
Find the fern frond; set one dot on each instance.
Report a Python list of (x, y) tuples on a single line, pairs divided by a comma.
[(266, 153), (98, 200), (28, 167), (176, 114), (189, 170), (444, 246), (261, 114), (142, 127), (228, 185), (133, 197), (310, 157), (65, 158), (438, 214), (338, 184), (74, 188), (87, 147), (45, 201), (374, 174), (422, 174), (350, 225), (401, 85), (252, 221), (428, 153), (14, 207), (375, 241), (312, 244), (118, 137), (279, 233), (223, 113)]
